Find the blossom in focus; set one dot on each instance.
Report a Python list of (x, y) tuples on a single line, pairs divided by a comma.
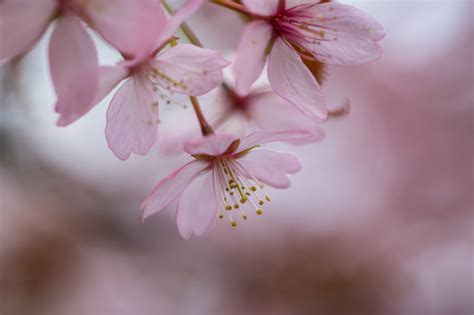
[(73, 57), (227, 176), (132, 117), (290, 30)]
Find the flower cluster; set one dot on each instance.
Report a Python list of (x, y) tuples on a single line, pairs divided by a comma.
[(228, 174)]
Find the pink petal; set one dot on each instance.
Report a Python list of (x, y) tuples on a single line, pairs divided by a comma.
[(175, 21), (262, 137), (197, 207), (262, 7), (132, 119), (270, 167), (350, 35), (74, 68), (251, 55), (213, 145), (109, 77), (22, 23), (348, 19), (176, 129), (272, 113), (290, 79), (130, 26), (189, 69), (293, 3), (170, 187)]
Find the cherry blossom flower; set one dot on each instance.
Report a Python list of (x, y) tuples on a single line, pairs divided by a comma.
[(132, 117), (73, 57), (227, 176), (290, 30), (264, 110)]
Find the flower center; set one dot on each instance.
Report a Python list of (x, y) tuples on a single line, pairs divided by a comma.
[(303, 28), (162, 83), (239, 190)]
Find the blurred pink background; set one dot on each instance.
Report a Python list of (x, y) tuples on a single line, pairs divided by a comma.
[(379, 221)]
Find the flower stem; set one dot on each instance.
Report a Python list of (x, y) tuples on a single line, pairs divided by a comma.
[(206, 129), (184, 26), (232, 6)]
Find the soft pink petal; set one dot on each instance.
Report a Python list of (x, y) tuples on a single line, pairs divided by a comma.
[(262, 7), (290, 79), (350, 35), (175, 21), (234, 123), (132, 119), (22, 22), (348, 19), (214, 144), (189, 69), (272, 113), (251, 56), (293, 3), (74, 69), (176, 129), (173, 144), (130, 26), (171, 187), (109, 77), (262, 137), (270, 167), (197, 207)]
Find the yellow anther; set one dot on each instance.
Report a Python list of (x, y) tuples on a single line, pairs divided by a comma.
[(236, 206), (253, 188), (233, 223), (267, 198), (243, 199), (260, 202), (259, 211), (228, 207)]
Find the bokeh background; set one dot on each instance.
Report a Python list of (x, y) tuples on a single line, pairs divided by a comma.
[(379, 221)]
